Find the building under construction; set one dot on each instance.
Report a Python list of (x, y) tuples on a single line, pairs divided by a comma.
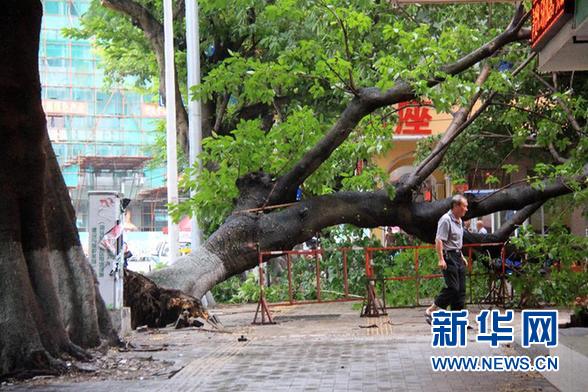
[(99, 134)]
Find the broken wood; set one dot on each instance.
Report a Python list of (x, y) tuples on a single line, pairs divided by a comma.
[(155, 306), (185, 320)]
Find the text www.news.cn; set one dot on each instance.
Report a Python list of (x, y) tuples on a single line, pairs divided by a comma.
[(496, 363)]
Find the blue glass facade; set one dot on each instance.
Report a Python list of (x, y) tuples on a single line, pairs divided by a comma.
[(85, 119)]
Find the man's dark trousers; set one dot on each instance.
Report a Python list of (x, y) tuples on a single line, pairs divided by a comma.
[(454, 294)]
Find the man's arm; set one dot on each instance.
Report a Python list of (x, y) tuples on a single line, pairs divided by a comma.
[(443, 228), (465, 261), (439, 247)]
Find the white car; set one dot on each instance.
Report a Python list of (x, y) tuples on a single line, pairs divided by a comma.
[(161, 252), (142, 263)]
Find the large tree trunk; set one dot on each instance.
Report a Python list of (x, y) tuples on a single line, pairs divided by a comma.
[(232, 249), (49, 302)]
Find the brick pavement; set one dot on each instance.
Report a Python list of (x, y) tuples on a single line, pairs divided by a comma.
[(313, 348)]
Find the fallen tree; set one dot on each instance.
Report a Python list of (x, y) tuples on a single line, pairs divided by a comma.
[(50, 306), (232, 248)]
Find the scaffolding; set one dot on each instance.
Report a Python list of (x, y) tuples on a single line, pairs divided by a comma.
[(154, 205)]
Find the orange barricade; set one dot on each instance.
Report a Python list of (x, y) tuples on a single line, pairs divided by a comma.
[(373, 306), (376, 307), (316, 254)]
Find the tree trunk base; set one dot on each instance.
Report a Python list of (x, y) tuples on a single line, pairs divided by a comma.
[(39, 363)]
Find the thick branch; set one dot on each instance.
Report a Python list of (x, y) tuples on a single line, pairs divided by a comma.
[(371, 209), (459, 123), (502, 234), (232, 248), (371, 99), (508, 227), (453, 131), (311, 161)]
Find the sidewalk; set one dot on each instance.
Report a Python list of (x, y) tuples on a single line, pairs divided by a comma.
[(312, 348)]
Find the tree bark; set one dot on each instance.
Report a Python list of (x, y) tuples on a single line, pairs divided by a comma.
[(49, 302), (232, 249)]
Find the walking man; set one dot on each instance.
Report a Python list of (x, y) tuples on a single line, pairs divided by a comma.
[(448, 243)]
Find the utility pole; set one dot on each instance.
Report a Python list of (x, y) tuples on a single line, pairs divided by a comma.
[(194, 109), (170, 105)]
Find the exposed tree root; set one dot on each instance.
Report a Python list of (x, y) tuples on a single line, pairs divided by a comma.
[(155, 306)]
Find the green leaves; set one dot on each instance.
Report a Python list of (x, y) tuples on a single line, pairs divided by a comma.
[(248, 149), (285, 68), (547, 275), (246, 79), (509, 169), (492, 180), (124, 51)]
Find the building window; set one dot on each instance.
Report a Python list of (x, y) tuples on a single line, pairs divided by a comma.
[(52, 8), (56, 122)]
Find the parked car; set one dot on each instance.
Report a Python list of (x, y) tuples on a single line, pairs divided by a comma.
[(142, 263), (161, 251)]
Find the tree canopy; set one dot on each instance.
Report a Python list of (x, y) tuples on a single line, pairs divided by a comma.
[(278, 76)]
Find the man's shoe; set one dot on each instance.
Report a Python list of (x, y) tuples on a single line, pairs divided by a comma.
[(428, 318)]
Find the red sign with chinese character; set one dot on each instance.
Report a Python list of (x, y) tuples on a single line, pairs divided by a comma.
[(413, 119), (548, 16)]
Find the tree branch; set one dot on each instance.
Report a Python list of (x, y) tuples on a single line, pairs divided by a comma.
[(459, 123), (508, 186), (371, 99), (519, 217), (502, 234), (457, 126), (179, 12), (221, 110), (151, 27), (555, 154), (347, 50), (349, 86), (372, 209), (521, 109), (561, 103)]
